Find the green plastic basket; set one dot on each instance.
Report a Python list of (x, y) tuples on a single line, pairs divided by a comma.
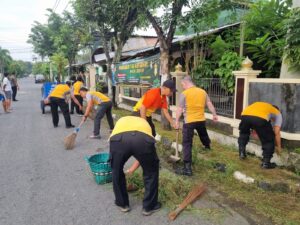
[(103, 178), (99, 163)]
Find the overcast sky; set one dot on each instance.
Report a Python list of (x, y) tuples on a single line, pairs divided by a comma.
[(16, 19)]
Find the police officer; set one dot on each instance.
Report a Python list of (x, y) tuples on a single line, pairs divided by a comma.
[(259, 117), (58, 98), (132, 136), (192, 103)]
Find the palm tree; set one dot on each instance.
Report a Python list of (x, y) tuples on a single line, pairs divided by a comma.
[(5, 59)]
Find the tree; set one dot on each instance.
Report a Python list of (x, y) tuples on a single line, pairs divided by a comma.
[(5, 59), (265, 34), (69, 35), (41, 39), (164, 26), (115, 21), (17, 67), (60, 62)]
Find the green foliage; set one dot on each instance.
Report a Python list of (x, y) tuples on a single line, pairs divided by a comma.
[(17, 67), (204, 14), (268, 53), (292, 50), (229, 62), (64, 34), (265, 34), (266, 17), (41, 68), (5, 59), (219, 47), (205, 69), (59, 61)]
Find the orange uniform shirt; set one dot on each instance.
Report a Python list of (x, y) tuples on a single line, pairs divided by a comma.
[(152, 100)]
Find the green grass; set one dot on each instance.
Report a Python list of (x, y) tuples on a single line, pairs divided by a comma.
[(279, 207)]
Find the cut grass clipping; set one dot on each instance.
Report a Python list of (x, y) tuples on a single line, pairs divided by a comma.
[(172, 189)]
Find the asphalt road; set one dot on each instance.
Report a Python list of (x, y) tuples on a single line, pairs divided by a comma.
[(43, 184)]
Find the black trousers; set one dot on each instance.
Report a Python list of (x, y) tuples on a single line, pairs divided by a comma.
[(104, 109), (14, 92), (187, 138), (149, 120), (264, 132), (142, 147), (61, 103), (73, 104)]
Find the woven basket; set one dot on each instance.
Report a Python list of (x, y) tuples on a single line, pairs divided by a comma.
[(99, 163), (103, 178)]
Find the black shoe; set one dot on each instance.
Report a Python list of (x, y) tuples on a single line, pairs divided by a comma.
[(55, 126), (15, 100), (186, 170), (71, 126), (242, 153), (71, 112), (266, 164), (156, 208)]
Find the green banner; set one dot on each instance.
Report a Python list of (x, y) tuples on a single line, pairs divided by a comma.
[(143, 71)]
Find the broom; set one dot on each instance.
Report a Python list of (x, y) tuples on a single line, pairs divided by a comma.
[(192, 196), (69, 141)]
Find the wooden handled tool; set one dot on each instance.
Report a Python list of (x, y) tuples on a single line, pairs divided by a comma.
[(191, 197)]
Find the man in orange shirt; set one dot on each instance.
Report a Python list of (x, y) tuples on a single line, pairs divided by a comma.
[(105, 105), (192, 103), (153, 99), (258, 116)]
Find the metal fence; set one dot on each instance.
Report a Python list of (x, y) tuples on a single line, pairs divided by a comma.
[(220, 97)]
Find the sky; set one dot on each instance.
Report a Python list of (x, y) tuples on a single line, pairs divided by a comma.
[(16, 20)]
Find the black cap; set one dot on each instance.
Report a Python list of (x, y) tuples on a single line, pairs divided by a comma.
[(170, 84)]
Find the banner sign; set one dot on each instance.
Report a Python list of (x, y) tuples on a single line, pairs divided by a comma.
[(143, 71)]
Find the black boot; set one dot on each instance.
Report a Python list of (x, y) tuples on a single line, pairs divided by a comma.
[(186, 170), (242, 153), (266, 164)]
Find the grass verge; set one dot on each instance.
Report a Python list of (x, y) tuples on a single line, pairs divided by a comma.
[(281, 208)]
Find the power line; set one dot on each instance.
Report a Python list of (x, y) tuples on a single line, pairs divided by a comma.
[(54, 7), (67, 5), (58, 1)]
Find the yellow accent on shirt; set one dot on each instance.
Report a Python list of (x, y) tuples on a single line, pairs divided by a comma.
[(60, 91), (195, 101), (98, 97), (132, 123), (76, 87), (138, 105), (261, 110)]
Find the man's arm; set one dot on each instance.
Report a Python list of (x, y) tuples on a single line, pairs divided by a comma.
[(133, 167), (277, 137), (88, 109), (211, 108), (76, 101), (168, 117), (143, 111), (179, 111)]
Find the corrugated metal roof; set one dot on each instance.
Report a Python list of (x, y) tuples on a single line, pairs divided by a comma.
[(102, 58)]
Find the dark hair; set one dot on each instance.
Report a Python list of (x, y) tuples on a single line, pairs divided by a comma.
[(83, 89), (79, 79), (5, 74), (68, 83)]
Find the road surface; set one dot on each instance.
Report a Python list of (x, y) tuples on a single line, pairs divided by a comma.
[(43, 184)]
